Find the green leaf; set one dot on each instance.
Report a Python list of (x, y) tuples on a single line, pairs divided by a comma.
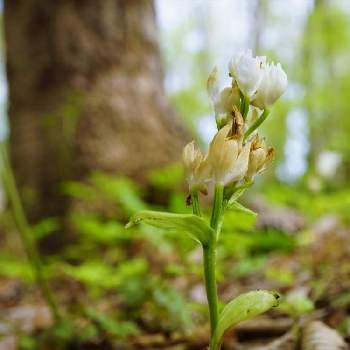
[(246, 306), (297, 305), (233, 193), (239, 207), (193, 225), (45, 227)]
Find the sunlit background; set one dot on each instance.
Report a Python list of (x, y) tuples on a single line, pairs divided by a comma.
[(198, 35)]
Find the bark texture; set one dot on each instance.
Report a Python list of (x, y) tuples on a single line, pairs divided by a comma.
[(85, 94)]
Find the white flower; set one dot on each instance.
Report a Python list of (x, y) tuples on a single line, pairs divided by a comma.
[(213, 84), (192, 159), (227, 160), (273, 84), (247, 71)]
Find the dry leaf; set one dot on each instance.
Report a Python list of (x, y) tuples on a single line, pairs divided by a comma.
[(318, 336)]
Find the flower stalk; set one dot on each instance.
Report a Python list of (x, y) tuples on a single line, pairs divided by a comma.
[(209, 262), (244, 106), (195, 203), (257, 123), (209, 258)]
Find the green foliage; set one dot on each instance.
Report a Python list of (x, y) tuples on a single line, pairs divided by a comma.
[(12, 267), (236, 206), (98, 276), (167, 178), (102, 260), (244, 307), (282, 275), (108, 189), (141, 290), (310, 204), (195, 226), (97, 230), (173, 313), (45, 227), (297, 305), (114, 328), (324, 75), (249, 265)]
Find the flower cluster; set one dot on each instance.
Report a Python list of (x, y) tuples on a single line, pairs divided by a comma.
[(237, 153), (259, 81)]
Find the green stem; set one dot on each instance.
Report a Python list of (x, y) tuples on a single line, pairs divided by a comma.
[(26, 234), (195, 203), (257, 123), (209, 259), (217, 209), (244, 108)]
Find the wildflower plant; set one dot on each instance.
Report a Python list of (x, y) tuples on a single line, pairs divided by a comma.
[(236, 155)]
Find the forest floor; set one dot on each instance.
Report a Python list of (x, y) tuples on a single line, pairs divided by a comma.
[(314, 277)]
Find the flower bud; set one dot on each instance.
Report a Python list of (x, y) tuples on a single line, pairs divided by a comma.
[(247, 71), (253, 115), (273, 84), (228, 98), (260, 157), (227, 160), (213, 85), (192, 159)]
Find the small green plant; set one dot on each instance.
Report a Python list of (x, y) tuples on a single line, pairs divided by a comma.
[(235, 156), (27, 234)]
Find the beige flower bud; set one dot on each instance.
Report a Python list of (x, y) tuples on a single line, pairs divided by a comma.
[(192, 159), (260, 157), (213, 84), (253, 115), (227, 160), (227, 100)]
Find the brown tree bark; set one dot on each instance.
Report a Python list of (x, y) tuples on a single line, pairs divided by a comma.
[(85, 93)]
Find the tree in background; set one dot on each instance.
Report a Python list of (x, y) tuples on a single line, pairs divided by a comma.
[(85, 93)]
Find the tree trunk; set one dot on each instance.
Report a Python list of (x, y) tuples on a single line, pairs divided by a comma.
[(85, 94)]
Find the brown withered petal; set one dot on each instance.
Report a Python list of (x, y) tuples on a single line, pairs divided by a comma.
[(237, 129), (270, 156)]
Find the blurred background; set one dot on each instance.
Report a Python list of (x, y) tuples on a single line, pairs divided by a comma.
[(97, 100)]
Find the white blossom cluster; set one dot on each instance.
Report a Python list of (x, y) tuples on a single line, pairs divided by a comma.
[(237, 153)]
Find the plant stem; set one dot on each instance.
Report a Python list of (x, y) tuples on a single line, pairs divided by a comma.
[(244, 107), (209, 259), (26, 234), (195, 203), (217, 208), (257, 123)]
